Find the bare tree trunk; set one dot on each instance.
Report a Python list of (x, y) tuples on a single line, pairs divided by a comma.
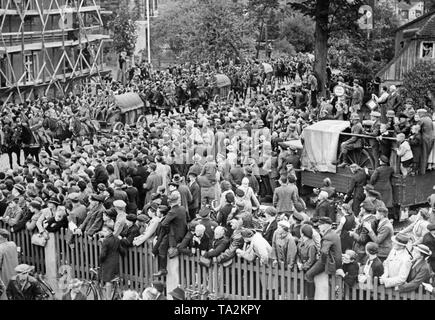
[(321, 43), (259, 39)]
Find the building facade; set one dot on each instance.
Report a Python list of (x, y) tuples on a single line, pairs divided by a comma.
[(47, 47)]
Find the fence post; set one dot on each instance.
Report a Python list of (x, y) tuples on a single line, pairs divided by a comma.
[(322, 286), (51, 260), (173, 276)]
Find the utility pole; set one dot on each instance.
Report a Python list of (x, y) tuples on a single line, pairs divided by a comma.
[(148, 32)]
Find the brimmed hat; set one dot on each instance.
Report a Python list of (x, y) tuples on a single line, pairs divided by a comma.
[(5, 233), (384, 159), (143, 218), (118, 183), (204, 212), (400, 239), (325, 220), (54, 200), (178, 294), (20, 188), (307, 231), (375, 114), (247, 233), (390, 114), (131, 217), (423, 249), (355, 116), (368, 206), (23, 268), (431, 227), (74, 196), (284, 224), (372, 247), (174, 197)]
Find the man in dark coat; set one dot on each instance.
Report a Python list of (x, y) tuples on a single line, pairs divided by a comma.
[(220, 243), (132, 195), (374, 132), (131, 231), (100, 175), (196, 196), (176, 226), (356, 188), (330, 248), (22, 286), (381, 181), (271, 225), (204, 219), (139, 178), (109, 258), (196, 238), (420, 271)]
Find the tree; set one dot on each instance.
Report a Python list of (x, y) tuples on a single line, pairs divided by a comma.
[(124, 30), (329, 16), (361, 56), (202, 30), (419, 83), (260, 11), (298, 30)]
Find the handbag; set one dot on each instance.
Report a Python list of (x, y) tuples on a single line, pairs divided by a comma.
[(39, 239), (172, 252), (203, 261)]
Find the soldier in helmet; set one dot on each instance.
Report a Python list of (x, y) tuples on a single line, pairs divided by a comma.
[(354, 142)]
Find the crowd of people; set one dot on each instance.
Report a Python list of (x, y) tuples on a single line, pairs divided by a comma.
[(195, 177)]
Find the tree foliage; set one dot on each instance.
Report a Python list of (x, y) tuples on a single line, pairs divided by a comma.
[(419, 82), (361, 56), (124, 30), (202, 30), (298, 30)]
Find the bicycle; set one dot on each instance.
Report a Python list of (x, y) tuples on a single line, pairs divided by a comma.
[(48, 292), (94, 287)]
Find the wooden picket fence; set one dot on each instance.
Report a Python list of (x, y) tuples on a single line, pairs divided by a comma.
[(136, 267), (30, 254), (244, 280), (241, 280)]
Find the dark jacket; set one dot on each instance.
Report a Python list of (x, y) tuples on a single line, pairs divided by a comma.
[(325, 209), (420, 272), (382, 237), (195, 191), (55, 226), (187, 244), (236, 242), (331, 247), (351, 271), (93, 221), (218, 246), (31, 291), (109, 258), (362, 234), (381, 181), (132, 195), (356, 189), (209, 225), (176, 225), (100, 175), (269, 230), (128, 235)]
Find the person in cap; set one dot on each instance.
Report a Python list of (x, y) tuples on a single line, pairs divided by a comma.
[(374, 131), (371, 267), (324, 207), (350, 268), (94, 219), (9, 258), (383, 233), (109, 258), (418, 227), (23, 286), (270, 223), (130, 231), (346, 224), (74, 292), (360, 235), (78, 213), (119, 192), (13, 212), (296, 220), (195, 239), (330, 247), (429, 241), (132, 196), (101, 175), (255, 247), (175, 222), (381, 181), (121, 217), (153, 181), (354, 142), (307, 249), (373, 196), (420, 271), (284, 248), (204, 218), (160, 287), (33, 210), (356, 187), (398, 263), (403, 126), (236, 242)]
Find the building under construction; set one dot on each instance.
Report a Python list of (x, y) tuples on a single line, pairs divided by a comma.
[(47, 47)]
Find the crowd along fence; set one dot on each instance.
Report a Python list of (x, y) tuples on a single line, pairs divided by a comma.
[(242, 280)]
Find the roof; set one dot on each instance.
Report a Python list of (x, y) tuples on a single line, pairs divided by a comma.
[(222, 80), (422, 17), (428, 29), (128, 101)]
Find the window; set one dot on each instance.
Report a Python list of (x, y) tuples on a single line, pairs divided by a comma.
[(31, 65), (404, 14), (427, 50)]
